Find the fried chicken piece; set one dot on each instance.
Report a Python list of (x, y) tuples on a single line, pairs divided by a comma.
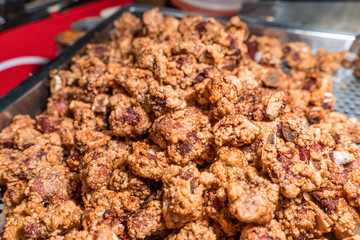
[(137, 188), (94, 79), (95, 168), (154, 21), (270, 231), (202, 80), (318, 143), (118, 150), (329, 61), (227, 168), (34, 229), (14, 227), (87, 139), (235, 130), (164, 99), (265, 50), (9, 169), (57, 181), (238, 28), (171, 127), (36, 158), (98, 234), (288, 165), (275, 104), (213, 54), (232, 156), (224, 94), (298, 101), (302, 217), (33, 220), (146, 221), (352, 188), (7, 135), (28, 137), (100, 104), (252, 199), (60, 79), (291, 127), (182, 195), (84, 118), (323, 99), (48, 124), (147, 161), (339, 126), (189, 22), (134, 80), (324, 81), (104, 52), (129, 122), (177, 71), (170, 32), (14, 194), (185, 134), (218, 210), (299, 55), (62, 216), (193, 231), (121, 100), (197, 147), (272, 77), (346, 219), (127, 24), (67, 133), (190, 45), (107, 209), (252, 103)]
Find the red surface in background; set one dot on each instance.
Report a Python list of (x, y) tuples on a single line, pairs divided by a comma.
[(37, 39)]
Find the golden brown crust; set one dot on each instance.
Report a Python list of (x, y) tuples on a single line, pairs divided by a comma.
[(185, 129)]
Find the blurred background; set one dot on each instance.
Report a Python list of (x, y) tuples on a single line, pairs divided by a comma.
[(320, 13)]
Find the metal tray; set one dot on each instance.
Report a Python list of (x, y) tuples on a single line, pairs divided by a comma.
[(30, 96)]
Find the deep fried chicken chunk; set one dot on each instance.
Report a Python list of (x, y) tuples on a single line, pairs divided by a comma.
[(182, 195)]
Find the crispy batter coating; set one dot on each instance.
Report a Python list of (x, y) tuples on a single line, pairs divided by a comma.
[(129, 122), (185, 129), (182, 197), (252, 199), (270, 231), (185, 134), (147, 161), (235, 130), (163, 99), (352, 188), (224, 93), (193, 231), (7, 135), (265, 50), (299, 55), (303, 217), (146, 221)]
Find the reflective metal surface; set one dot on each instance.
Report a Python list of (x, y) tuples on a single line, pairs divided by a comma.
[(329, 15)]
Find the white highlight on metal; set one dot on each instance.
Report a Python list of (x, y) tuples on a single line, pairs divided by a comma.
[(14, 62)]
